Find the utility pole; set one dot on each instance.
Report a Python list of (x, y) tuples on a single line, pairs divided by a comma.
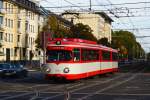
[(90, 5), (44, 45)]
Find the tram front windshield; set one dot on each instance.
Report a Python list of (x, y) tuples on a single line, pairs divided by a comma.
[(59, 55)]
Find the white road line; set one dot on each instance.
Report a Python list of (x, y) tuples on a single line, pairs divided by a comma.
[(109, 87), (124, 94), (112, 86), (98, 83), (85, 87), (15, 96), (28, 93), (75, 85), (52, 97), (115, 94)]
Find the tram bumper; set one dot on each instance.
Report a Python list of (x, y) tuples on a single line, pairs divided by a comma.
[(61, 76)]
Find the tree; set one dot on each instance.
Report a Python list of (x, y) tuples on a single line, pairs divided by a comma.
[(55, 28), (104, 41), (126, 42), (82, 31)]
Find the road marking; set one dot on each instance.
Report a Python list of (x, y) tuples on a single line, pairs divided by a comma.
[(99, 83), (85, 87), (115, 94), (15, 96), (114, 85), (109, 87), (75, 85), (124, 99)]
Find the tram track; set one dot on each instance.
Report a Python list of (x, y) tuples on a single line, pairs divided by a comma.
[(115, 84), (73, 87), (126, 76)]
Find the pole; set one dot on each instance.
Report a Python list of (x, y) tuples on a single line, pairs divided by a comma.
[(90, 5), (44, 45)]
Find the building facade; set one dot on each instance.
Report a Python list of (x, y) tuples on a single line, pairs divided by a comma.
[(99, 22), (20, 21)]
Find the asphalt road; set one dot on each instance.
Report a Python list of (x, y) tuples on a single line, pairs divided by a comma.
[(130, 83)]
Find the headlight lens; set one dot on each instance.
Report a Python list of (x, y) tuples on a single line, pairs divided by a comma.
[(48, 70), (66, 70)]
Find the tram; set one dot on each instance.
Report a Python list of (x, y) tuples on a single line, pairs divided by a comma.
[(74, 59)]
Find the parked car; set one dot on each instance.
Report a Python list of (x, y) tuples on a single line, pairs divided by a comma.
[(7, 69)]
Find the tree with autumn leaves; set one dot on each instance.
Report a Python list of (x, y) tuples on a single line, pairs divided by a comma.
[(57, 30), (124, 41), (126, 44)]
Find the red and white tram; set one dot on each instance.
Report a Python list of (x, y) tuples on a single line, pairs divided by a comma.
[(73, 59)]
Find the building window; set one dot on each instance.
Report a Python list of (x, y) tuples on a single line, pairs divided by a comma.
[(12, 52), (6, 6), (1, 19), (18, 38), (26, 26), (33, 29), (12, 9), (19, 24), (19, 10), (29, 27), (6, 37), (24, 52), (33, 16), (1, 35), (9, 9), (12, 37), (15, 52), (11, 23), (9, 38), (31, 40), (6, 22)]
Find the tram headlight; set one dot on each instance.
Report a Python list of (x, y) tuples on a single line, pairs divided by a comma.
[(58, 42), (66, 70), (48, 70)]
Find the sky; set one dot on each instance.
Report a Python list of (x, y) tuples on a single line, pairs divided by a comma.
[(133, 15)]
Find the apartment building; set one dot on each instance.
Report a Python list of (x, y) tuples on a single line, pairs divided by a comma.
[(20, 21), (99, 22)]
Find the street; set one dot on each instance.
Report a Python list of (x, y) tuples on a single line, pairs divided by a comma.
[(130, 83)]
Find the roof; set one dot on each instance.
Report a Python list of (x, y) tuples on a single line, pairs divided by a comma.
[(27, 4), (104, 15), (75, 42)]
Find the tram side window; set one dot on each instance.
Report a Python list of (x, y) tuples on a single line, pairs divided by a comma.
[(90, 55), (114, 56), (76, 53), (105, 55)]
